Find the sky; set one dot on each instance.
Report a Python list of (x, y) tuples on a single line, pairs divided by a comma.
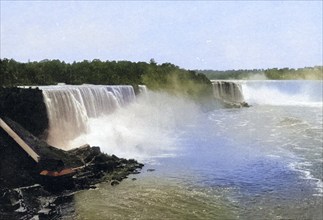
[(217, 35)]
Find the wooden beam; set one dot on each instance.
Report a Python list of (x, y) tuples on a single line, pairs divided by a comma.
[(19, 141)]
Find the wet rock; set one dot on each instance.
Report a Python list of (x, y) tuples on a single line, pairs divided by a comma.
[(39, 190), (21, 203), (114, 183), (245, 104)]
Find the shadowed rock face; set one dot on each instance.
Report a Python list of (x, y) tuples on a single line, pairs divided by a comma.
[(27, 107), (16, 167)]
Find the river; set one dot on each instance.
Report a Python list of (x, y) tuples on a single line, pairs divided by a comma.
[(261, 162)]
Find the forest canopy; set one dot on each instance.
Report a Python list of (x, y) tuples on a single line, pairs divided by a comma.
[(306, 73), (167, 77)]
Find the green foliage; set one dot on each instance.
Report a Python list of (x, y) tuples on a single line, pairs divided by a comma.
[(307, 73), (165, 77), (170, 78), (230, 74)]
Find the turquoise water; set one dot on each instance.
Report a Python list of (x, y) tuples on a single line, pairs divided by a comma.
[(263, 162)]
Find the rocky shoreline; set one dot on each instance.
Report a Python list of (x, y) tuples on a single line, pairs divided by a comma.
[(43, 188), (49, 197), (30, 190)]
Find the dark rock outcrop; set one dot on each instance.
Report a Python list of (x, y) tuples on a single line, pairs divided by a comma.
[(84, 163), (16, 167), (26, 107), (26, 184)]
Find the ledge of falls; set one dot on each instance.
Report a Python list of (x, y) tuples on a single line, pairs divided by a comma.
[(229, 93)]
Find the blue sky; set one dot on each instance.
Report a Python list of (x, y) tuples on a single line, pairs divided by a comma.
[(191, 34)]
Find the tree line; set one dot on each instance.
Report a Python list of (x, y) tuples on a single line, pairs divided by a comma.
[(306, 73), (166, 76)]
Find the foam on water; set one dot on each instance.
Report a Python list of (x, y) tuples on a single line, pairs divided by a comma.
[(306, 174), (283, 93), (277, 132), (142, 130)]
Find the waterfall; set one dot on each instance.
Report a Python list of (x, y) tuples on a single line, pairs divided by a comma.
[(142, 89), (70, 107), (227, 91), (269, 92)]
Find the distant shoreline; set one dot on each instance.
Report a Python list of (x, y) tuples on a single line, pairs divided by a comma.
[(306, 73)]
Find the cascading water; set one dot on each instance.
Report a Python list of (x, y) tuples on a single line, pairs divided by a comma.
[(227, 91), (269, 92), (70, 107), (142, 89)]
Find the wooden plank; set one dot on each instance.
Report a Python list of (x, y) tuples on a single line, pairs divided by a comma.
[(19, 141)]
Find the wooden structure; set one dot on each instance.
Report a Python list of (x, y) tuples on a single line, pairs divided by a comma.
[(19, 141)]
